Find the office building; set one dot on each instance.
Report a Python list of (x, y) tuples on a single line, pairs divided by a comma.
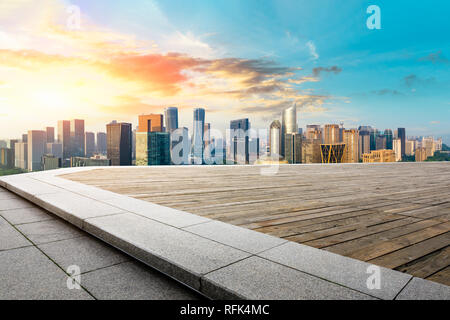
[(380, 142), (77, 138), (153, 148), (95, 161), (21, 155), (119, 140), (7, 158), (254, 149), (288, 125), (64, 137), (397, 147), (364, 143), (151, 123), (332, 134), (428, 144), (197, 136), (12, 146), (311, 151), (389, 138), (421, 154), (275, 140), (402, 136), (37, 141), (50, 134), (314, 132), (89, 144), (50, 162), (101, 142), (293, 148), (171, 118), (332, 153), (379, 156), (410, 147), (25, 137), (55, 149), (239, 141), (207, 135), (351, 141)]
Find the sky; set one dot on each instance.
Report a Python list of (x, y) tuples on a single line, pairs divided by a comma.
[(237, 59)]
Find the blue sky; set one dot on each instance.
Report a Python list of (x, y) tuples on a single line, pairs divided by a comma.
[(394, 77)]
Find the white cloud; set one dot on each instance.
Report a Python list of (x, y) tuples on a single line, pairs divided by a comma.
[(312, 50)]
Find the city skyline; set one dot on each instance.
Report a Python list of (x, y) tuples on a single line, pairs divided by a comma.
[(142, 59)]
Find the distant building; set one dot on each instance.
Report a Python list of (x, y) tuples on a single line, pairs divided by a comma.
[(77, 138), (314, 132), (7, 158), (332, 153), (421, 154), (50, 162), (293, 148), (12, 146), (101, 142), (55, 149), (95, 161), (89, 144), (351, 141), (50, 134), (21, 155), (3, 144), (25, 137), (381, 142), (207, 135), (152, 148), (288, 125), (64, 137), (239, 141), (275, 140), (197, 136), (410, 147), (119, 140), (428, 144), (311, 151), (37, 141), (379, 156), (364, 143), (332, 134), (397, 147), (389, 138), (401, 132), (151, 123), (171, 118)]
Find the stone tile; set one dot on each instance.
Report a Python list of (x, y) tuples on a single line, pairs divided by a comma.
[(339, 269), (88, 191), (26, 215), (86, 252), (172, 217), (420, 289), (7, 195), (259, 279), (134, 281), (27, 186), (175, 252), (240, 238), (10, 238), (27, 274), (74, 208), (18, 203), (49, 231)]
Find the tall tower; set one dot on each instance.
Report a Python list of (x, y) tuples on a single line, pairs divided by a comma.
[(77, 137), (119, 140), (36, 149), (171, 118), (197, 135), (64, 137), (288, 124), (239, 144), (275, 139), (402, 136)]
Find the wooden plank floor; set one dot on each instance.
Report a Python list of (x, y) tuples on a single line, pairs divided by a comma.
[(393, 215)]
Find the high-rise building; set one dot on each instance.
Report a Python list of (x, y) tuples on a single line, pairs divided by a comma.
[(89, 144), (275, 140), (332, 134), (50, 162), (12, 146), (332, 153), (25, 138), (410, 147), (293, 148), (402, 136), (397, 147), (50, 134), (151, 123), (55, 149), (36, 149), (374, 133), (239, 141), (101, 142), (119, 140), (207, 135), (311, 151), (197, 136), (171, 118), (428, 144), (421, 154), (389, 138), (64, 137), (380, 142), (153, 148), (379, 156), (7, 158), (364, 143), (314, 132), (77, 138), (288, 125), (351, 140), (21, 155)]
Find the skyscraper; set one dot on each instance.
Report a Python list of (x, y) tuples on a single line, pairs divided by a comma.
[(380, 142), (351, 140), (197, 136), (119, 142), (389, 138), (402, 136), (50, 134), (21, 155), (313, 131), (89, 144), (332, 134), (239, 141), (397, 147), (364, 141), (64, 137), (151, 123), (293, 147), (36, 149), (275, 139), (171, 118), (77, 138), (101, 142), (288, 124)]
